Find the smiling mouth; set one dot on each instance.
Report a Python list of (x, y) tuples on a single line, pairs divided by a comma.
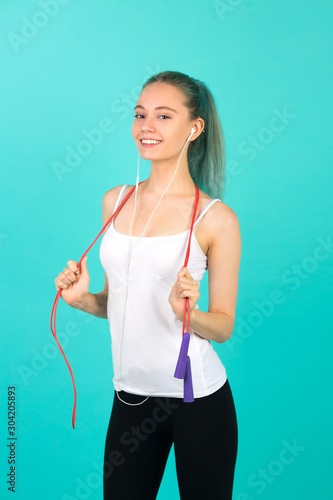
[(149, 144)]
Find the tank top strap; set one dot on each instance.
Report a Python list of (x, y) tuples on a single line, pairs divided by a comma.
[(204, 210), (119, 200), (121, 196)]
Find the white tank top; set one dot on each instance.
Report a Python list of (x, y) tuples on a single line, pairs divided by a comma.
[(152, 335)]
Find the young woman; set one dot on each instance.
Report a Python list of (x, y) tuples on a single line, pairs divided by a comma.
[(146, 284)]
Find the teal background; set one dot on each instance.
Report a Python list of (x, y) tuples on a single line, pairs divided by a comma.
[(86, 62)]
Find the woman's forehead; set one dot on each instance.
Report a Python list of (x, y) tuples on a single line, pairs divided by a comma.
[(161, 94)]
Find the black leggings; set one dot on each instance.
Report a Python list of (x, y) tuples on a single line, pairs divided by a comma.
[(139, 438)]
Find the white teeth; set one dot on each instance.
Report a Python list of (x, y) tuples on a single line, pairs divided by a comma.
[(150, 142)]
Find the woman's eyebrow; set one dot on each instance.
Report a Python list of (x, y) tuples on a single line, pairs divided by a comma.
[(158, 107)]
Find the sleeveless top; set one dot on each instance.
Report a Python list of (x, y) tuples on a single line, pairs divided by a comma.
[(146, 334)]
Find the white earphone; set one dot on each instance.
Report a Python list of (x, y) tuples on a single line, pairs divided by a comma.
[(192, 132)]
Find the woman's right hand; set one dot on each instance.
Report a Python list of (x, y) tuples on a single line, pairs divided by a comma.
[(74, 282)]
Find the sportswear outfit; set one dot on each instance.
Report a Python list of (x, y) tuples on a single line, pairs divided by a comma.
[(145, 339)]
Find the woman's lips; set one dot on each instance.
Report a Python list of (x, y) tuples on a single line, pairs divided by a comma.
[(150, 145)]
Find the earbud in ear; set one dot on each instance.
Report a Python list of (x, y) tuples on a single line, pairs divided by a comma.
[(192, 132)]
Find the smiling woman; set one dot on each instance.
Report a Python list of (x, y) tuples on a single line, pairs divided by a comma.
[(150, 293)]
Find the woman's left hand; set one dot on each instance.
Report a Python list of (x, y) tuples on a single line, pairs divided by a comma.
[(184, 286)]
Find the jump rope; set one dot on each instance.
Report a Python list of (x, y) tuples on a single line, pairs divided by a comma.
[(183, 366)]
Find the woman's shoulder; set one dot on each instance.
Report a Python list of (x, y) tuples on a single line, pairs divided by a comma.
[(220, 217), (109, 200), (219, 207), (112, 194)]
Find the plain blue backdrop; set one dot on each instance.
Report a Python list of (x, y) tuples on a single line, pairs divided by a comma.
[(68, 67)]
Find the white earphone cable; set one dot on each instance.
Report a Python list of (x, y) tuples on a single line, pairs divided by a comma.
[(131, 248)]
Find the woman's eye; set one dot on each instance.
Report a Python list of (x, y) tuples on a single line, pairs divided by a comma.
[(135, 116)]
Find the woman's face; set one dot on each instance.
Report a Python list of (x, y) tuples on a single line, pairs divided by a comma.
[(172, 128)]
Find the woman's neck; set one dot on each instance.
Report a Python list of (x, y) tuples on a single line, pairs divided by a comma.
[(181, 185)]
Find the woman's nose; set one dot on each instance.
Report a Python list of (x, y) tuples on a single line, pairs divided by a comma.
[(147, 125), (147, 129)]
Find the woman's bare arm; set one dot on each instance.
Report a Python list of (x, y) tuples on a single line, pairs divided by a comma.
[(224, 256), (96, 303)]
